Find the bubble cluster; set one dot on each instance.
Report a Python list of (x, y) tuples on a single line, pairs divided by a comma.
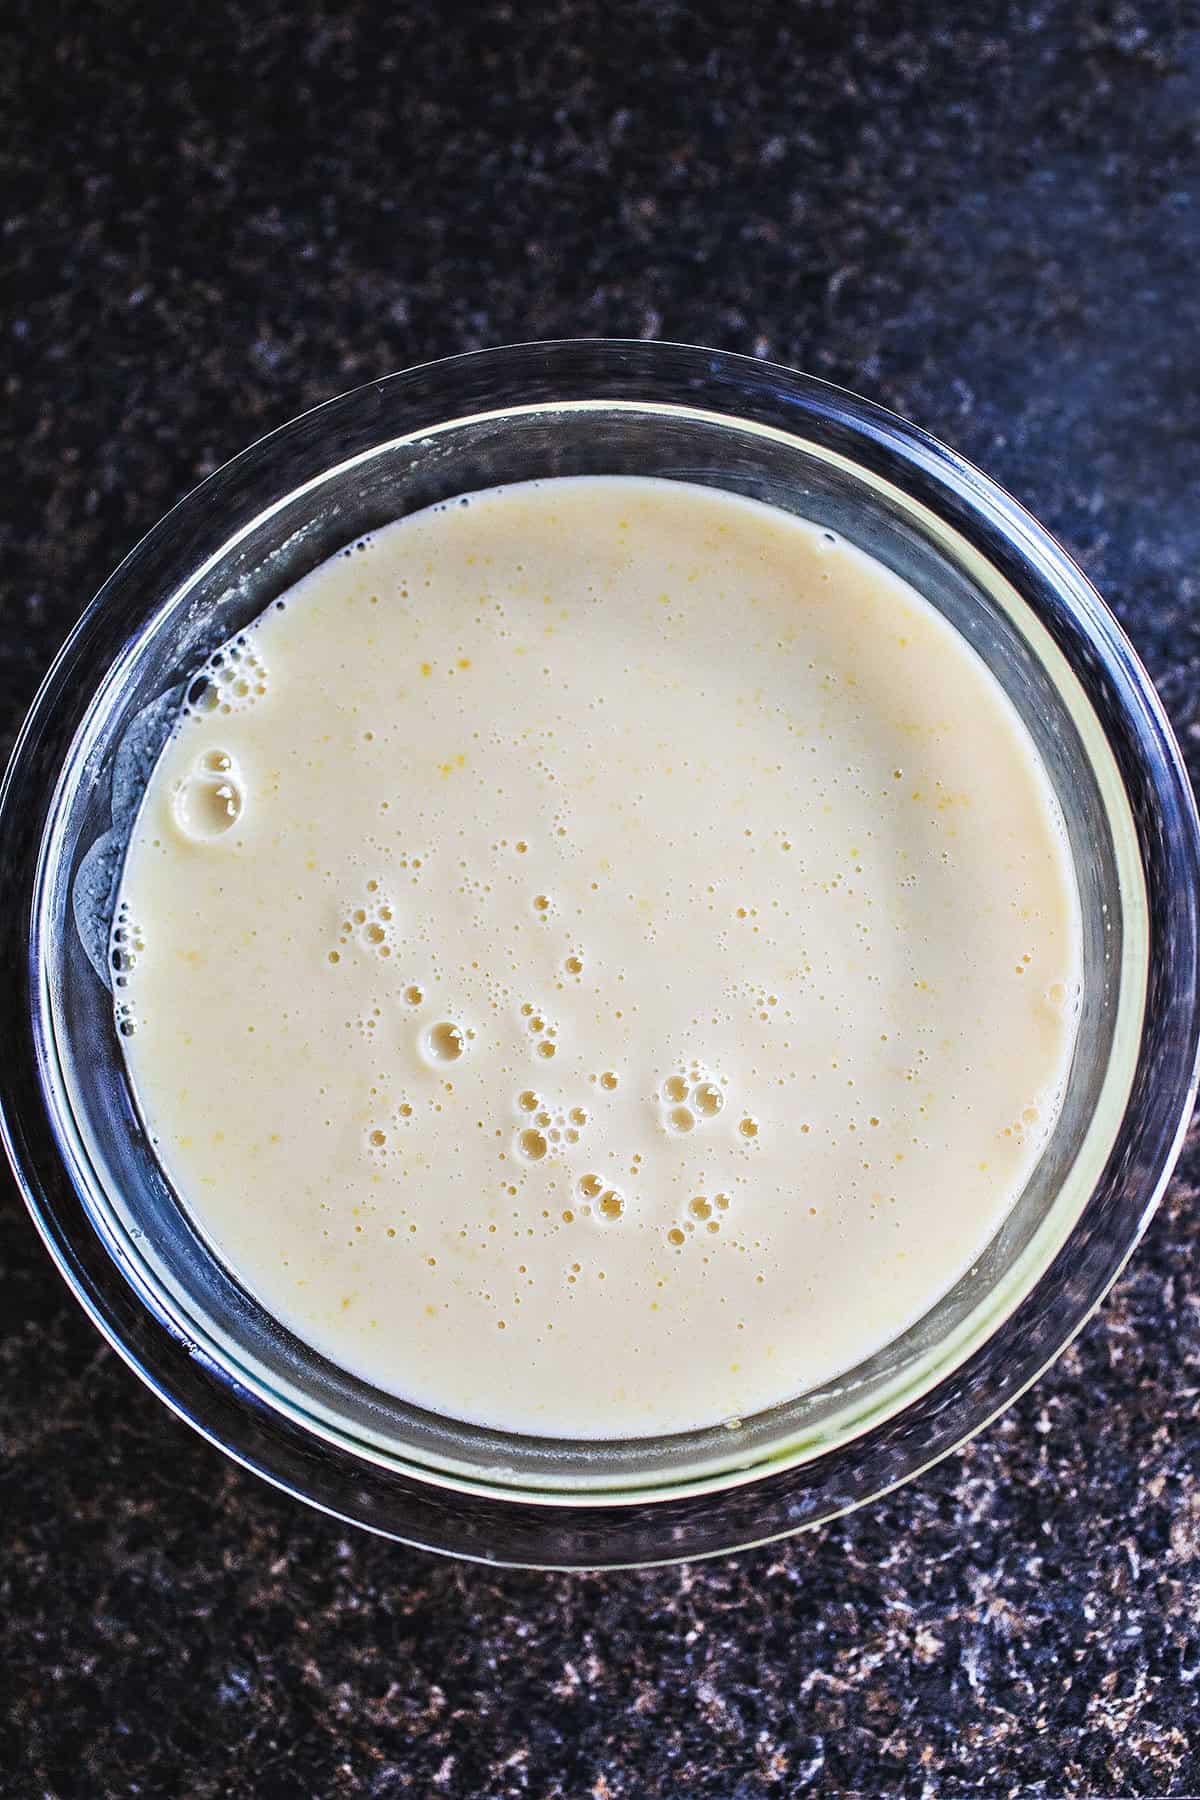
[(126, 947), (366, 1023), (688, 1100), (560, 1127), (1029, 1126), (598, 1200), (370, 924), (234, 678), (541, 1031), (126, 944), (209, 799), (701, 1217)]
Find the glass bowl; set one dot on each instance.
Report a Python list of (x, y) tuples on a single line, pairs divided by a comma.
[(76, 1142)]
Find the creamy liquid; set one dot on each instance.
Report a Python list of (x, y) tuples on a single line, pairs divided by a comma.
[(599, 959)]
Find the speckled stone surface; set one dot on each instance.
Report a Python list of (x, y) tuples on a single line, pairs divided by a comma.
[(986, 216)]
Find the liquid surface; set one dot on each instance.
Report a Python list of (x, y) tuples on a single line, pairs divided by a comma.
[(600, 959)]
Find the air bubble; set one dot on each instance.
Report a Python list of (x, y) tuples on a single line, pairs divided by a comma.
[(708, 1099), (591, 1185), (531, 1145), (208, 802), (676, 1237), (578, 1115), (528, 1101), (611, 1205), (675, 1088), (700, 1208), (749, 1127), (574, 965), (681, 1118), (608, 1080), (445, 1042), (413, 995), (545, 1048)]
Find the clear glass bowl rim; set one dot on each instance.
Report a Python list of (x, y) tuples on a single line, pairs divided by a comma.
[(582, 1534)]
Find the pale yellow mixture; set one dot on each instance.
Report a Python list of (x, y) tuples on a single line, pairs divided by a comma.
[(599, 959)]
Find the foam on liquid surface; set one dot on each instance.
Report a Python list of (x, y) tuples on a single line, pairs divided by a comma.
[(598, 960)]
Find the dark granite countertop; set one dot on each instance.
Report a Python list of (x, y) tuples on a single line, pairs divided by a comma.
[(987, 217)]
